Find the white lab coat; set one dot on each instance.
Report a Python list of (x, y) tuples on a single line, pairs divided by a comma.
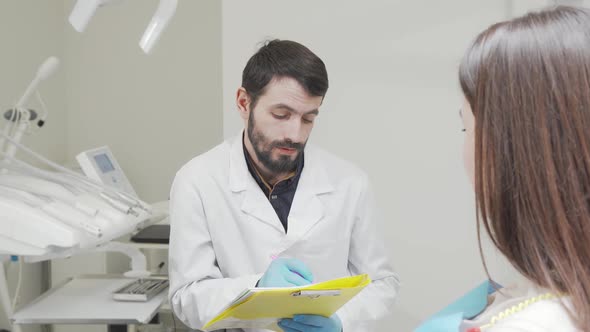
[(224, 233)]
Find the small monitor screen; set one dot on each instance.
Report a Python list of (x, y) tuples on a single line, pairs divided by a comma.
[(104, 163)]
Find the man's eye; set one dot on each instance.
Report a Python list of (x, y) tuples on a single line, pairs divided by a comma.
[(279, 116), (307, 120)]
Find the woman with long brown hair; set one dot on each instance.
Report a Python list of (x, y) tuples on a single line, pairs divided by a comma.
[(526, 83)]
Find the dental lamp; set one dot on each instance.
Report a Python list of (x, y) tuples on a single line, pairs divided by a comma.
[(159, 22), (84, 10), (19, 116), (47, 68)]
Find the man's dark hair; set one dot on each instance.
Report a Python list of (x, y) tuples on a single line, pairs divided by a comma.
[(284, 58)]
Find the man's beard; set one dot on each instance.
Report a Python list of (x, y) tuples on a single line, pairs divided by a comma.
[(263, 148)]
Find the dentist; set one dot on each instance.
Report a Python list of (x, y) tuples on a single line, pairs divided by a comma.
[(267, 209)]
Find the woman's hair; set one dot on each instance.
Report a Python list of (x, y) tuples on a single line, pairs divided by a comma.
[(527, 81)]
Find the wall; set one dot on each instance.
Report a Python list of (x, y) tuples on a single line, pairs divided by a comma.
[(31, 31), (392, 108), (155, 112)]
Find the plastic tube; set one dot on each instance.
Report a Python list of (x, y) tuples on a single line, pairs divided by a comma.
[(74, 174), (122, 202)]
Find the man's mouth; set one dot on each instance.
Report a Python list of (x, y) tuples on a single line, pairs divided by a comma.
[(287, 150)]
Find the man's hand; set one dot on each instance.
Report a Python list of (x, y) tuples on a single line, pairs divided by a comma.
[(286, 272), (311, 323)]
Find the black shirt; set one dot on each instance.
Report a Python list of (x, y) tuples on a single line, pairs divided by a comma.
[(281, 195)]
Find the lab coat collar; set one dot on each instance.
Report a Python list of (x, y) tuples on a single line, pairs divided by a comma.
[(239, 175), (307, 208)]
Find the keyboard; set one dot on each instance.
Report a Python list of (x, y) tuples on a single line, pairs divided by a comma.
[(141, 290)]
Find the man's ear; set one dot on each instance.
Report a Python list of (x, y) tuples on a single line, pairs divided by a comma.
[(243, 102)]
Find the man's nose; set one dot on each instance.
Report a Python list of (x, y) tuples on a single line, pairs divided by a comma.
[(294, 131)]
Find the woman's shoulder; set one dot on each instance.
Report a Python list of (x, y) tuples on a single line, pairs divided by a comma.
[(547, 315), (524, 308)]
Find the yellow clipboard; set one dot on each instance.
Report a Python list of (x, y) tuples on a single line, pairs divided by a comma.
[(261, 308)]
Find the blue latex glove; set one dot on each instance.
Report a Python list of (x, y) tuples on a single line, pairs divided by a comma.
[(311, 323), (286, 272)]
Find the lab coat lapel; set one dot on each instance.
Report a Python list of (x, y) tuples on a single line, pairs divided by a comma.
[(307, 209), (243, 185)]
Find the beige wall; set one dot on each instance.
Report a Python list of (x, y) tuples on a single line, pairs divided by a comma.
[(392, 108), (31, 31), (155, 112)]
